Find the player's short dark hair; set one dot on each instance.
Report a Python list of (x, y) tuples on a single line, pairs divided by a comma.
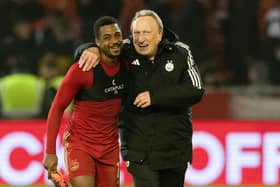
[(102, 21)]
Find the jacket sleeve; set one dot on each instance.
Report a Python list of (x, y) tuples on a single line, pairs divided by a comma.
[(79, 50), (187, 92)]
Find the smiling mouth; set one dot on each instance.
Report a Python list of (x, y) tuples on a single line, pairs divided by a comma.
[(143, 47), (116, 47)]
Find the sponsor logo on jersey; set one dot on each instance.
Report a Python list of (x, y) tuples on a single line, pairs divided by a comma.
[(114, 88)]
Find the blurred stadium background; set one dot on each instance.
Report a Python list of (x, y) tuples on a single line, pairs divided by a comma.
[(236, 44)]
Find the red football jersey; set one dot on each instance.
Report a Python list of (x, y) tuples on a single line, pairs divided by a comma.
[(94, 122)]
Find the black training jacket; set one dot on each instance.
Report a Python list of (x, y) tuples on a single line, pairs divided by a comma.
[(161, 135)]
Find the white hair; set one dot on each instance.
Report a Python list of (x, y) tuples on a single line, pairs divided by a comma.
[(150, 13)]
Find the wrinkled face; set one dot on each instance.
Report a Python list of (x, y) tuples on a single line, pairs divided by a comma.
[(146, 36), (110, 41)]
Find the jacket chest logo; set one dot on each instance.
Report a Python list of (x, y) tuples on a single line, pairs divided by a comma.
[(169, 66), (135, 62)]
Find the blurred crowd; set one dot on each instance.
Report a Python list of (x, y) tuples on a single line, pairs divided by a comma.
[(234, 42)]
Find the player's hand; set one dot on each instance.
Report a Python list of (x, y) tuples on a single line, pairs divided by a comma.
[(50, 163), (89, 58), (143, 99), (59, 179)]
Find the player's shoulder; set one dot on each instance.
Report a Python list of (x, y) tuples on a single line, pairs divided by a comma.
[(77, 76), (75, 65), (75, 69)]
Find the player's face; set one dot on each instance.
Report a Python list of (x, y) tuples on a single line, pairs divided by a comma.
[(110, 40), (146, 36)]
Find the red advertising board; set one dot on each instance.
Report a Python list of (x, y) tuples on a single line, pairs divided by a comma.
[(225, 152)]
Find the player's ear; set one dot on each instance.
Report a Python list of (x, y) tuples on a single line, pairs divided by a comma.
[(160, 35), (97, 42)]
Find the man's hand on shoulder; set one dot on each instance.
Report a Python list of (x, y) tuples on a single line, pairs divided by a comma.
[(89, 58)]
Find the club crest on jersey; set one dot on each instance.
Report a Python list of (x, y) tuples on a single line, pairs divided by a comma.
[(169, 66), (74, 165)]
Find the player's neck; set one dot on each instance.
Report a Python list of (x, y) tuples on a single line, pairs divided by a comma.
[(108, 60)]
